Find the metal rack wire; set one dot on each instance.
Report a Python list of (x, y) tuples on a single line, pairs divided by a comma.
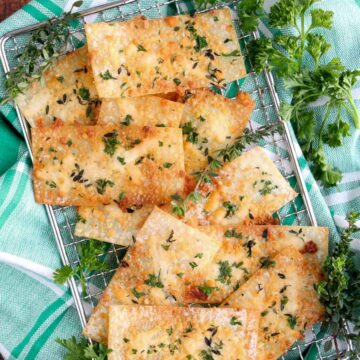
[(280, 146)]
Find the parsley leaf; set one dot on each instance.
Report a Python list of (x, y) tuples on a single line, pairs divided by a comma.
[(90, 254), (82, 350)]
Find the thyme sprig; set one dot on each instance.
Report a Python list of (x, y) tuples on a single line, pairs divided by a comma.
[(226, 154), (44, 47), (340, 291)]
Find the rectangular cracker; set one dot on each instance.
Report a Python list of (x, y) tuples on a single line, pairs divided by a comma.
[(244, 250), (142, 111), (162, 332), (284, 294), (151, 56), (165, 248), (247, 190), (68, 93), (211, 121), (95, 165)]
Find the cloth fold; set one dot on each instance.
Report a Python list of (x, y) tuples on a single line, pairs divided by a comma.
[(33, 310)]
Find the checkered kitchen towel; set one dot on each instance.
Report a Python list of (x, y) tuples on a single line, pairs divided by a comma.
[(33, 310)]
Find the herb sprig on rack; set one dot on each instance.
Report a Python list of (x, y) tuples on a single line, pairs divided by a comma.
[(332, 81), (44, 47), (89, 254), (82, 350), (340, 291), (228, 153)]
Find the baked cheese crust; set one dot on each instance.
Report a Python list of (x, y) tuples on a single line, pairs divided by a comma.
[(142, 111), (210, 122), (246, 190), (161, 332), (95, 165), (165, 249), (284, 294), (244, 250), (152, 56), (68, 93), (111, 224)]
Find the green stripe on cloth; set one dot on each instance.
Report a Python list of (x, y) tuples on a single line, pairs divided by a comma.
[(48, 311), (54, 8), (34, 12), (38, 344)]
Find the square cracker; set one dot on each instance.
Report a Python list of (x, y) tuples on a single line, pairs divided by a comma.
[(153, 56), (67, 92)]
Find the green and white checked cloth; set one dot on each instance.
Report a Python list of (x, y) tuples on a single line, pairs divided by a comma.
[(33, 310)]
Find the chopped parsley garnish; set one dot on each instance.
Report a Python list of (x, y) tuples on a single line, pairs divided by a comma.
[(199, 255), (111, 142), (232, 234), (101, 185), (193, 264), (235, 321), (60, 79), (106, 75), (170, 330), (200, 42), (207, 290), (127, 120), (141, 48), (176, 28), (225, 271), (122, 195), (292, 320), (231, 209), (137, 294), (266, 262), (121, 160), (154, 281), (190, 131), (84, 93), (283, 301), (167, 165), (69, 143), (267, 187), (177, 81)]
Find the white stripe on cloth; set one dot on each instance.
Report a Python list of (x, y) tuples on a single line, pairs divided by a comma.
[(323, 99), (342, 197), (4, 352), (26, 264), (350, 177), (58, 290)]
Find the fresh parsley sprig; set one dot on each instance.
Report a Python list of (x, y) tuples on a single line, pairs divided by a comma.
[(340, 291), (285, 55), (82, 350), (89, 254), (44, 47)]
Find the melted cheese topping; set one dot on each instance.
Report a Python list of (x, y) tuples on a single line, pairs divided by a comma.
[(211, 122), (95, 165), (160, 332), (143, 111), (68, 93), (144, 56), (284, 294)]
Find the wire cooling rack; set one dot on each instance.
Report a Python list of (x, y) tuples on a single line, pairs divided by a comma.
[(279, 146)]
